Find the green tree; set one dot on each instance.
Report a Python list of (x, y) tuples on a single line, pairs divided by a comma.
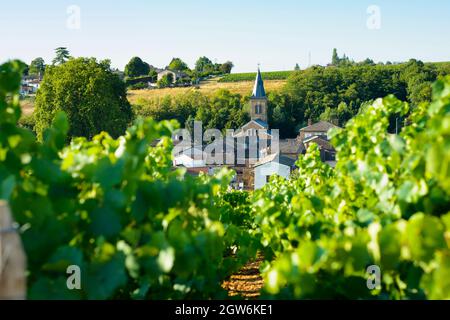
[(418, 78), (93, 98), (153, 74), (136, 67), (62, 55), (226, 67), (178, 65), (329, 114), (26, 69), (368, 62), (335, 58), (37, 66), (204, 64)]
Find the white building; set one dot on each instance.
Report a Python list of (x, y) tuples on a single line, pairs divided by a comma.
[(189, 158), (273, 164), (176, 75)]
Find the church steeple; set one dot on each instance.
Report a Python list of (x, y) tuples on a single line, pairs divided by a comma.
[(258, 89), (258, 100)]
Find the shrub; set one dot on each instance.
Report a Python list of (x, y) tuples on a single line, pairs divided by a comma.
[(28, 122)]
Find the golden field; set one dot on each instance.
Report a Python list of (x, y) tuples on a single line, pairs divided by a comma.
[(207, 87)]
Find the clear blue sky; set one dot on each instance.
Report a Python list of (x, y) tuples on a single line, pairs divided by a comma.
[(276, 34)]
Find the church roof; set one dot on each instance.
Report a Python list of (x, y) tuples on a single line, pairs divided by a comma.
[(263, 124), (242, 132), (258, 89)]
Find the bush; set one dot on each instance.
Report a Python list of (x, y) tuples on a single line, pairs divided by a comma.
[(143, 79), (27, 122), (93, 98), (138, 86)]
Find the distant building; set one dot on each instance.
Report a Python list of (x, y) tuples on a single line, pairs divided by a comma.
[(175, 74), (291, 148), (318, 133), (319, 129), (258, 101), (256, 132), (192, 157), (30, 85), (274, 164)]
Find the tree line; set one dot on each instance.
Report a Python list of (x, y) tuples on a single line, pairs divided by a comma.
[(137, 67), (204, 67), (332, 93), (339, 91), (94, 96)]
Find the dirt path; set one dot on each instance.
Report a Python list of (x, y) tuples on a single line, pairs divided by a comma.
[(247, 282)]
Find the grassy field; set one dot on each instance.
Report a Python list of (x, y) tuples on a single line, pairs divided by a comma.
[(206, 87), (250, 76)]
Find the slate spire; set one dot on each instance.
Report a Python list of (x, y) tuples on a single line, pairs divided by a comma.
[(258, 89)]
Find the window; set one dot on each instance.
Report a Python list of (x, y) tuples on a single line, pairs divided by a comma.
[(258, 109), (267, 179)]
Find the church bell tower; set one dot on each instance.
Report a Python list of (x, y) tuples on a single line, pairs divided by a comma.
[(258, 100)]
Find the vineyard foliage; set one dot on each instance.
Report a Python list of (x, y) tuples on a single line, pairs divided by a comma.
[(115, 208), (386, 204), (139, 229)]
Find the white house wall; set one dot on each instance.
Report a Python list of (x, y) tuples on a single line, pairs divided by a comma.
[(188, 162), (269, 169)]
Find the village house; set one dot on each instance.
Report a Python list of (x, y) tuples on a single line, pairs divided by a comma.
[(273, 164), (318, 133), (319, 129), (176, 75), (30, 85)]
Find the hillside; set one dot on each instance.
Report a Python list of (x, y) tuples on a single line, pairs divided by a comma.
[(207, 88)]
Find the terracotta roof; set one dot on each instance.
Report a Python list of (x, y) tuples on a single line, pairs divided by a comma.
[(321, 126)]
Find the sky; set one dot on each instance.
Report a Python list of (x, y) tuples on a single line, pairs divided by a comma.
[(277, 34)]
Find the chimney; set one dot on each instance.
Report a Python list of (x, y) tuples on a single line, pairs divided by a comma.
[(309, 122)]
